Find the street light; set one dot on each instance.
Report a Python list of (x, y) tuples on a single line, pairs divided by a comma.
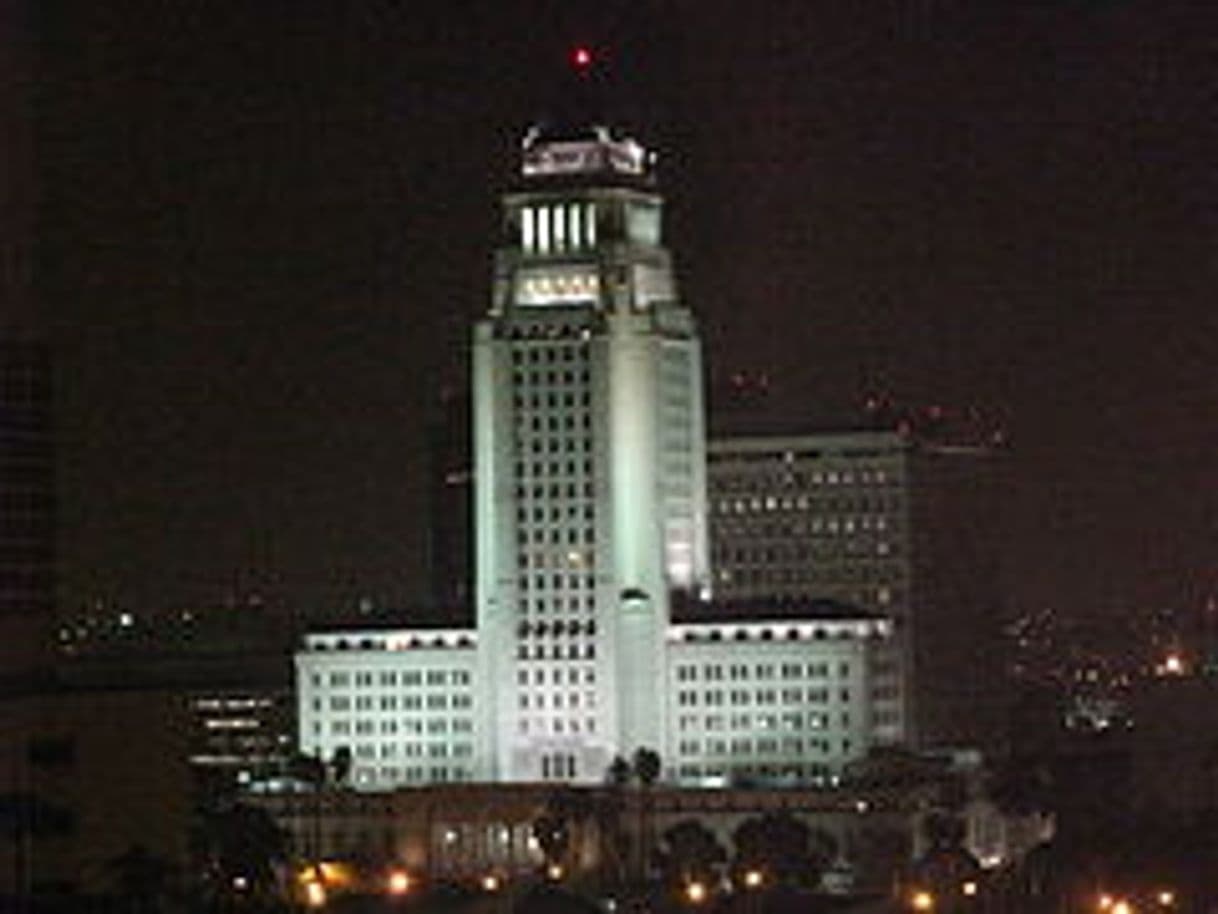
[(315, 894), (922, 900), (695, 893), (398, 882), (753, 879), (1166, 898), (969, 889)]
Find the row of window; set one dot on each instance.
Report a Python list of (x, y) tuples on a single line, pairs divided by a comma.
[(557, 581), (557, 766), (556, 652), (391, 774), (841, 575), (531, 382), (436, 701), (717, 697), (537, 700), (573, 627), (557, 676), (436, 726), (788, 720), (783, 529), (727, 481), (771, 504), (555, 490), (790, 745), (556, 444), (556, 535), (559, 603), (536, 355), (552, 468), (715, 672), (547, 330), (384, 678), (815, 773), (557, 726), (559, 227)]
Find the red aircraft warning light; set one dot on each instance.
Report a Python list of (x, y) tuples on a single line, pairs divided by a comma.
[(581, 58)]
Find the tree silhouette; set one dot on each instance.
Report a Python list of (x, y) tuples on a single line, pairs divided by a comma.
[(553, 835), (619, 772), (783, 849), (647, 770), (690, 852), (242, 845), (647, 766), (143, 881), (340, 766)]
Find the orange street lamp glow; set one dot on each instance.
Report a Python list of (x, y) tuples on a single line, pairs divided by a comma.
[(753, 878), (922, 901), (695, 893), (398, 882), (315, 894)]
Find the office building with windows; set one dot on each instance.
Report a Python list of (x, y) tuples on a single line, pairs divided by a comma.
[(897, 523), (590, 531)]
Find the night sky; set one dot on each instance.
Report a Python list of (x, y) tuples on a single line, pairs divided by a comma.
[(266, 228)]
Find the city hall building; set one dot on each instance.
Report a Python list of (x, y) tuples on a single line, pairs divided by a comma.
[(596, 633)]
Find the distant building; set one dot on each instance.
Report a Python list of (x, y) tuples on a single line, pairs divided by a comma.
[(27, 505), (229, 669), (94, 772), (891, 522), (450, 494)]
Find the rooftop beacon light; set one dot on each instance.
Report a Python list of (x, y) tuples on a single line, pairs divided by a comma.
[(581, 59)]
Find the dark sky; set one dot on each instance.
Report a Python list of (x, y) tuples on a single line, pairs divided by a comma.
[(266, 229)]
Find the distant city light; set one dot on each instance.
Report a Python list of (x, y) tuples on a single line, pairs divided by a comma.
[(695, 892), (1171, 665)]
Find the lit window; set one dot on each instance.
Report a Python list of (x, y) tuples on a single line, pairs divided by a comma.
[(527, 233), (543, 230), (590, 224), (573, 224), (559, 226)]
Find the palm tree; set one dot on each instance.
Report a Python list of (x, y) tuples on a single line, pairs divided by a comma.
[(607, 808), (647, 766), (340, 766), (619, 772), (647, 769)]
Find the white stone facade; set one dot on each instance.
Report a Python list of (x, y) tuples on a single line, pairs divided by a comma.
[(590, 514)]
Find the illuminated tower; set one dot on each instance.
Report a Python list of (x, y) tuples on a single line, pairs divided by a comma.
[(589, 462)]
